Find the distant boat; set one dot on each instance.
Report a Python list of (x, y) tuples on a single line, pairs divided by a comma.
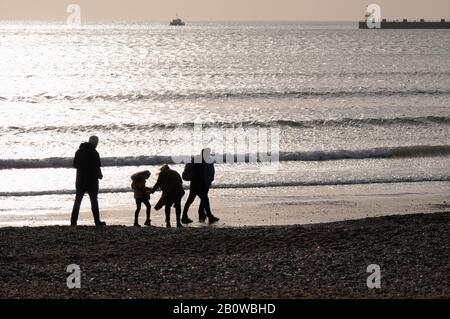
[(177, 22)]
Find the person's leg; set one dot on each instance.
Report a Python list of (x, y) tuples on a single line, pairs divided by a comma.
[(205, 200), (93, 195), (148, 208), (167, 210), (178, 212), (76, 207), (136, 213), (201, 209), (188, 204), (201, 212)]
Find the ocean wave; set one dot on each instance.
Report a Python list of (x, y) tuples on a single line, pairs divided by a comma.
[(163, 96), (380, 152), (406, 179), (384, 152), (317, 123)]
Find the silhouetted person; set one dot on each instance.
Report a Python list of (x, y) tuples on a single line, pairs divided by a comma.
[(201, 179), (171, 185), (141, 195), (87, 162), (209, 173)]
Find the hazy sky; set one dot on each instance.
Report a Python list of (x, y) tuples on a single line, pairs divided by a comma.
[(219, 10)]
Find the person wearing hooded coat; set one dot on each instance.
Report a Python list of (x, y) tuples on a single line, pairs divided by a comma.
[(141, 195), (88, 165), (171, 185)]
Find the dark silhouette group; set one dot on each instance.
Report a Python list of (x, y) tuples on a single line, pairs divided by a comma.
[(199, 172)]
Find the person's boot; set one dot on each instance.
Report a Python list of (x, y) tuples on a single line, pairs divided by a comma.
[(213, 219), (100, 223), (202, 218), (136, 224), (147, 223), (186, 220)]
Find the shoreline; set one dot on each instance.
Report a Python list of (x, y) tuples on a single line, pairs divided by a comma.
[(254, 206), (298, 261)]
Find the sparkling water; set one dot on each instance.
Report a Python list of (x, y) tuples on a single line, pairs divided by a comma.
[(352, 106)]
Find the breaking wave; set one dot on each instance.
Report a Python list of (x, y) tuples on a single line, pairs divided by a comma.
[(387, 152)]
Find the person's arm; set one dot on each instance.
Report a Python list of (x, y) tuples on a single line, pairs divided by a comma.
[(76, 160), (213, 172), (157, 185), (98, 164), (140, 185), (179, 179)]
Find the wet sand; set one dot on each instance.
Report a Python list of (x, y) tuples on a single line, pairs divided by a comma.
[(269, 206), (309, 261)]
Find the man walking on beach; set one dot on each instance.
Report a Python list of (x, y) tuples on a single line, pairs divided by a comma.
[(87, 162)]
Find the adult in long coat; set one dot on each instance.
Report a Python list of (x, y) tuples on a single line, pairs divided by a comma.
[(171, 184), (88, 165)]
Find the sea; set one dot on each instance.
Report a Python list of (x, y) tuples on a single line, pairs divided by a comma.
[(348, 106)]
